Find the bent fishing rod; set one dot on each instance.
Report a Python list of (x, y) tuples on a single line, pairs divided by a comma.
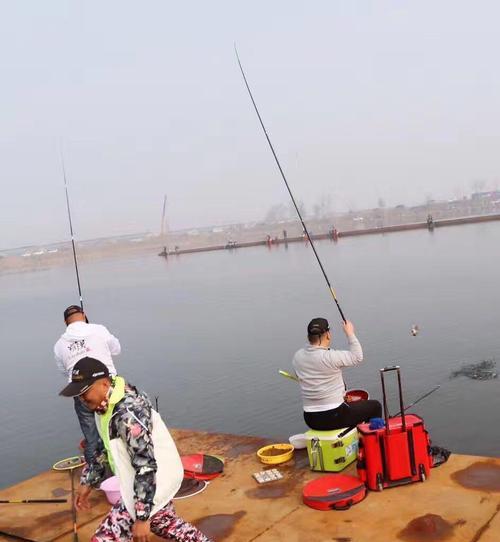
[(71, 231), (422, 397), (330, 287)]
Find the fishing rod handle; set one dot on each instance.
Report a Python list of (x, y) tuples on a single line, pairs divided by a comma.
[(341, 313), (332, 291)]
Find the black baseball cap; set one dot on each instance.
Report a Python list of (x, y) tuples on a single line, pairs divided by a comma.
[(318, 326), (85, 372), (72, 309)]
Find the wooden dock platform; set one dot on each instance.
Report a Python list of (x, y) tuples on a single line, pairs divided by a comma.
[(459, 502)]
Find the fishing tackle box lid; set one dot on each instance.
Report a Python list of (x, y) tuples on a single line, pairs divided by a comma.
[(334, 492), (202, 466)]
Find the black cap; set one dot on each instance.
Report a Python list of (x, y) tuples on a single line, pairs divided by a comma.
[(72, 309), (84, 374), (318, 326)]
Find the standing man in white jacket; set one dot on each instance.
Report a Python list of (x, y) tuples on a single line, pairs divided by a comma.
[(81, 340)]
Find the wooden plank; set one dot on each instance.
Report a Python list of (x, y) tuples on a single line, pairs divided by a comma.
[(459, 502)]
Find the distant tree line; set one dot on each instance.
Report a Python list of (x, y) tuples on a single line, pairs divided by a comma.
[(282, 212)]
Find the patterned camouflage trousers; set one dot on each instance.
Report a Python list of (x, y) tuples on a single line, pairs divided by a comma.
[(117, 526)]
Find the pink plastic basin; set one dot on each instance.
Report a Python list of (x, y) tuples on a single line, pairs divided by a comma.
[(111, 487)]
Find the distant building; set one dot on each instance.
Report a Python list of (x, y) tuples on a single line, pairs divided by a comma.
[(491, 195)]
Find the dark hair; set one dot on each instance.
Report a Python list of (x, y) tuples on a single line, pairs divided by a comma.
[(315, 337)]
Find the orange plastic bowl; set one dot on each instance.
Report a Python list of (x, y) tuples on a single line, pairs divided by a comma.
[(352, 396)]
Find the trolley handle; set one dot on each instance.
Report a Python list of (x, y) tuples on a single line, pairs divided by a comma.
[(384, 396), (390, 368)]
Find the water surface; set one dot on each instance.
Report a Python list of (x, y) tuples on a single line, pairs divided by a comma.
[(207, 333)]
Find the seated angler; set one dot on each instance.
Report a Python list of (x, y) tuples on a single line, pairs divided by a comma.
[(319, 370)]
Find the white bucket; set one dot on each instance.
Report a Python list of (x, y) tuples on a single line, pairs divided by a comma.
[(111, 486), (298, 441)]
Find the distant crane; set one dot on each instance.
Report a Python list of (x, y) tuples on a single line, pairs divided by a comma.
[(162, 228)]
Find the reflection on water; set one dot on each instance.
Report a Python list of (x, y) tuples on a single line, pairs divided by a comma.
[(207, 333)]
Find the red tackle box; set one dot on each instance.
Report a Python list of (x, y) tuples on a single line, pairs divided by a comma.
[(396, 454)]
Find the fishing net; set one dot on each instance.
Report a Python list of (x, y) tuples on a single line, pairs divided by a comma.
[(69, 463), (439, 455)]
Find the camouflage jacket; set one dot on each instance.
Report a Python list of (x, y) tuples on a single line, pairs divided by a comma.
[(131, 422)]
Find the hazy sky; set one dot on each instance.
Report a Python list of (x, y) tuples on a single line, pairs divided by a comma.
[(362, 99)]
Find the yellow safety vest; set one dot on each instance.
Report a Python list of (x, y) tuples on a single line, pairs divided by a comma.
[(116, 396)]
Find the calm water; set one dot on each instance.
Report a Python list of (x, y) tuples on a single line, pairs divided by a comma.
[(208, 332)]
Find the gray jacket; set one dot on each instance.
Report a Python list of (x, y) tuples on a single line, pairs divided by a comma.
[(319, 371)]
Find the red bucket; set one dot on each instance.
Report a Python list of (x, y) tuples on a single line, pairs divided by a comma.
[(351, 396)]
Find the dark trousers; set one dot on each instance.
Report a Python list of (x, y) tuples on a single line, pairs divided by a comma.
[(346, 415), (89, 429)]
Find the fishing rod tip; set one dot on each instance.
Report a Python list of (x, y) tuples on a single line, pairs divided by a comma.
[(236, 52)]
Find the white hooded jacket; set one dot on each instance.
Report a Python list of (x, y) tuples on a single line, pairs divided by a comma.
[(82, 340)]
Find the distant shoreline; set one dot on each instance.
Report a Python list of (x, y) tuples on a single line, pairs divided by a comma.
[(208, 243), (335, 235)]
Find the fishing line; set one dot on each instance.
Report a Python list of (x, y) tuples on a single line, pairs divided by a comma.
[(71, 231), (332, 291)]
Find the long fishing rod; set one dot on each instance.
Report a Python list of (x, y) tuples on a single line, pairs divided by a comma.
[(71, 232), (32, 501), (16, 536), (288, 375), (435, 388), (422, 397), (332, 291)]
